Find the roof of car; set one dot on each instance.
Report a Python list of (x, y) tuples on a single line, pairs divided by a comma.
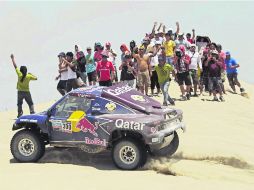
[(89, 90)]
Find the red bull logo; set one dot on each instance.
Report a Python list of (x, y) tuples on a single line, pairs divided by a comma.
[(85, 126)]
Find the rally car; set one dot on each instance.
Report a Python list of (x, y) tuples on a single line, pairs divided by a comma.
[(95, 119)]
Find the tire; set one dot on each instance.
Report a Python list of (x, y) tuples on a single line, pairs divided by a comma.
[(136, 150), (32, 149), (170, 149)]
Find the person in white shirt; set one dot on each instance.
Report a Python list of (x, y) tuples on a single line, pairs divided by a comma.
[(63, 75), (194, 65)]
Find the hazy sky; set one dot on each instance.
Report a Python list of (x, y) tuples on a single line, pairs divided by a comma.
[(36, 31)]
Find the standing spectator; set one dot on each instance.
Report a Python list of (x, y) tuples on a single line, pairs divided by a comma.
[(128, 70), (63, 75), (204, 72), (181, 62), (112, 58), (90, 67), (77, 49), (123, 49), (195, 64), (163, 70), (232, 73), (72, 68), (24, 79), (103, 69), (190, 39), (81, 66), (153, 62), (143, 76), (214, 72), (222, 57), (182, 41), (98, 49), (169, 46)]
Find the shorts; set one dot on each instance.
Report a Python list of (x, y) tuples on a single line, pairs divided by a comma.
[(143, 78), (62, 84), (232, 79), (91, 76), (215, 83), (183, 78), (105, 83), (194, 76)]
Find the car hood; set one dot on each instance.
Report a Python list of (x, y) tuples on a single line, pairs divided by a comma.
[(130, 97)]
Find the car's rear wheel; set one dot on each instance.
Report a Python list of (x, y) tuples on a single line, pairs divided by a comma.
[(170, 149), (129, 154), (26, 146)]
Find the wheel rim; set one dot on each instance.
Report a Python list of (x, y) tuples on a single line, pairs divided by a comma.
[(127, 154), (26, 147)]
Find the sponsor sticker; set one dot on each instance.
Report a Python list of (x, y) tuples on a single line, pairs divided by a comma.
[(96, 141), (139, 98), (29, 120), (119, 90), (110, 106), (62, 126), (121, 124), (86, 126)]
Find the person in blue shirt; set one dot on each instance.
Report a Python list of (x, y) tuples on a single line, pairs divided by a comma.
[(231, 68)]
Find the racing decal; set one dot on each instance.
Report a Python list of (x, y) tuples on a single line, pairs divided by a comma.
[(74, 118), (139, 98), (59, 125), (110, 106), (129, 125), (95, 141), (153, 130), (29, 120), (119, 90), (85, 126)]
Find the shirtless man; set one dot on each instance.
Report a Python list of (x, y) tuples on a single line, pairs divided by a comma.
[(144, 70)]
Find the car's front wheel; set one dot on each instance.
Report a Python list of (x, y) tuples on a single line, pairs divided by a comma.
[(170, 149), (129, 154), (26, 146)]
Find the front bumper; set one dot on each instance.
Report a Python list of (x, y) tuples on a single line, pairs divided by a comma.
[(163, 138)]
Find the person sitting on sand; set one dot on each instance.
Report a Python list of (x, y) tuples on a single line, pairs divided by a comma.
[(24, 79), (231, 66)]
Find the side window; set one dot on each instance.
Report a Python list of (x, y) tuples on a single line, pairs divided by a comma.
[(70, 104)]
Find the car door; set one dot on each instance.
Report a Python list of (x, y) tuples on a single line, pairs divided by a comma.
[(63, 120)]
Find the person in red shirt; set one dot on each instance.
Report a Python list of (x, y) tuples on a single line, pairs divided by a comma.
[(191, 39), (103, 69)]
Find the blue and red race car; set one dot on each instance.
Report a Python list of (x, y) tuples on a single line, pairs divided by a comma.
[(95, 119)]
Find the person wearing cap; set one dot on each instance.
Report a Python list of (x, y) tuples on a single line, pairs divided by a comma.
[(90, 67), (231, 68), (169, 46), (112, 57), (23, 82), (63, 75), (157, 38), (195, 64), (71, 64), (81, 67), (214, 74), (181, 62), (98, 49), (163, 71), (182, 41), (104, 69), (128, 70)]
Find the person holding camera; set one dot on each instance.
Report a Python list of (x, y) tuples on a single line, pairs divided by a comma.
[(181, 62), (214, 73), (128, 70), (24, 79), (63, 75)]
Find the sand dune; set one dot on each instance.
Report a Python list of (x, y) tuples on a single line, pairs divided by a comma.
[(216, 152)]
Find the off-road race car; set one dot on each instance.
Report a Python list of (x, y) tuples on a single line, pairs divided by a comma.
[(95, 119)]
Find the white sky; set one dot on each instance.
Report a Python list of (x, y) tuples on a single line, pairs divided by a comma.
[(36, 31)]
